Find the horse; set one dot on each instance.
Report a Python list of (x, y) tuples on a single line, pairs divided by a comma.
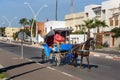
[(77, 51)]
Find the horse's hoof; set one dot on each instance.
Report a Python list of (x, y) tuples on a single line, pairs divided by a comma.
[(88, 70), (81, 68)]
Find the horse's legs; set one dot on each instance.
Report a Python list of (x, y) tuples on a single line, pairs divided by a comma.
[(81, 62), (87, 58), (58, 59), (74, 59)]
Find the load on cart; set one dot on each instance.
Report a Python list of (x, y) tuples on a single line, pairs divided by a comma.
[(57, 44)]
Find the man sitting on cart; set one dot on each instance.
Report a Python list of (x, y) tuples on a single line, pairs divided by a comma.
[(58, 39)]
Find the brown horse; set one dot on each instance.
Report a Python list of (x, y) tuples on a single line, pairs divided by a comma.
[(83, 50)]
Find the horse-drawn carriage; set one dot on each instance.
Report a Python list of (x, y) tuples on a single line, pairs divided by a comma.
[(65, 50)]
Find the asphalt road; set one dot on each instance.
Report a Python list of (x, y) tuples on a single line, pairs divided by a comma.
[(101, 68)]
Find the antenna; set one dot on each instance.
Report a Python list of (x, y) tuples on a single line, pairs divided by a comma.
[(56, 10), (72, 5)]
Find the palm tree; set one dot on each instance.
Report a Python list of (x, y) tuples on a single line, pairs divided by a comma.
[(32, 24), (23, 22), (98, 23), (89, 25)]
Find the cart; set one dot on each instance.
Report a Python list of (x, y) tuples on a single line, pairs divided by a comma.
[(51, 48)]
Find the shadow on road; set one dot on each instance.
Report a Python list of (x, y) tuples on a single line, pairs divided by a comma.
[(15, 66), (12, 77)]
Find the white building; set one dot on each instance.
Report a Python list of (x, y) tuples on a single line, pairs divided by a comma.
[(92, 10), (77, 38), (110, 12), (50, 25)]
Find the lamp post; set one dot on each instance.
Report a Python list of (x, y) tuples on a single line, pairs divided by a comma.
[(35, 16), (9, 22)]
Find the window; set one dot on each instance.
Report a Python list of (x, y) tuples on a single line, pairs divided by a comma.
[(111, 21), (50, 28), (76, 27), (116, 20), (87, 15), (79, 27), (98, 13), (45, 29)]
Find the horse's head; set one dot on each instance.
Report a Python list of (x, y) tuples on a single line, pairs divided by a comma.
[(89, 43), (92, 43)]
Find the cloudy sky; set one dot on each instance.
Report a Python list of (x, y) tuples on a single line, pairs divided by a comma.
[(12, 8)]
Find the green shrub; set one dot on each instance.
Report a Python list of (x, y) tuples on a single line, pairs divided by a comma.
[(3, 75), (99, 47)]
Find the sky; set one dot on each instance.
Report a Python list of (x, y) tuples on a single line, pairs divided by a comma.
[(17, 8)]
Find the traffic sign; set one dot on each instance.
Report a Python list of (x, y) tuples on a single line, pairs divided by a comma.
[(22, 35)]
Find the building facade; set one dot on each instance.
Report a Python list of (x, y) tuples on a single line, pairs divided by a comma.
[(111, 15), (50, 25), (75, 20), (10, 30), (109, 11), (41, 28)]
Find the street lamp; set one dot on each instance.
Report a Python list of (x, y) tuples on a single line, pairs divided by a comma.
[(9, 22), (35, 16)]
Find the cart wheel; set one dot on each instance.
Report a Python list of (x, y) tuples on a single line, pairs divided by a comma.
[(43, 57)]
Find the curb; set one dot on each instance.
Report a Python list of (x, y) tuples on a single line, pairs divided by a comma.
[(108, 56), (1, 66)]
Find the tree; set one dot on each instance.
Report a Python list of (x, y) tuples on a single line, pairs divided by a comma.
[(23, 22), (98, 23), (116, 31), (89, 24), (15, 35), (2, 31), (32, 24), (78, 32)]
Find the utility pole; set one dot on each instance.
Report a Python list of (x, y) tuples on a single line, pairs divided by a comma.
[(119, 14), (72, 4), (56, 11)]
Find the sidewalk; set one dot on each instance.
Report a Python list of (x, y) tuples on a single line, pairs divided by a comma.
[(25, 69), (109, 53)]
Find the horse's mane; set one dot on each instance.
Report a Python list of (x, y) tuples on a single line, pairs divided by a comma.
[(87, 43), (77, 47)]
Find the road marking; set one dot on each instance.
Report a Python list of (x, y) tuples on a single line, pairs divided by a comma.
[(51, 68), (66, 74), (109, 57), (96, 55)]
